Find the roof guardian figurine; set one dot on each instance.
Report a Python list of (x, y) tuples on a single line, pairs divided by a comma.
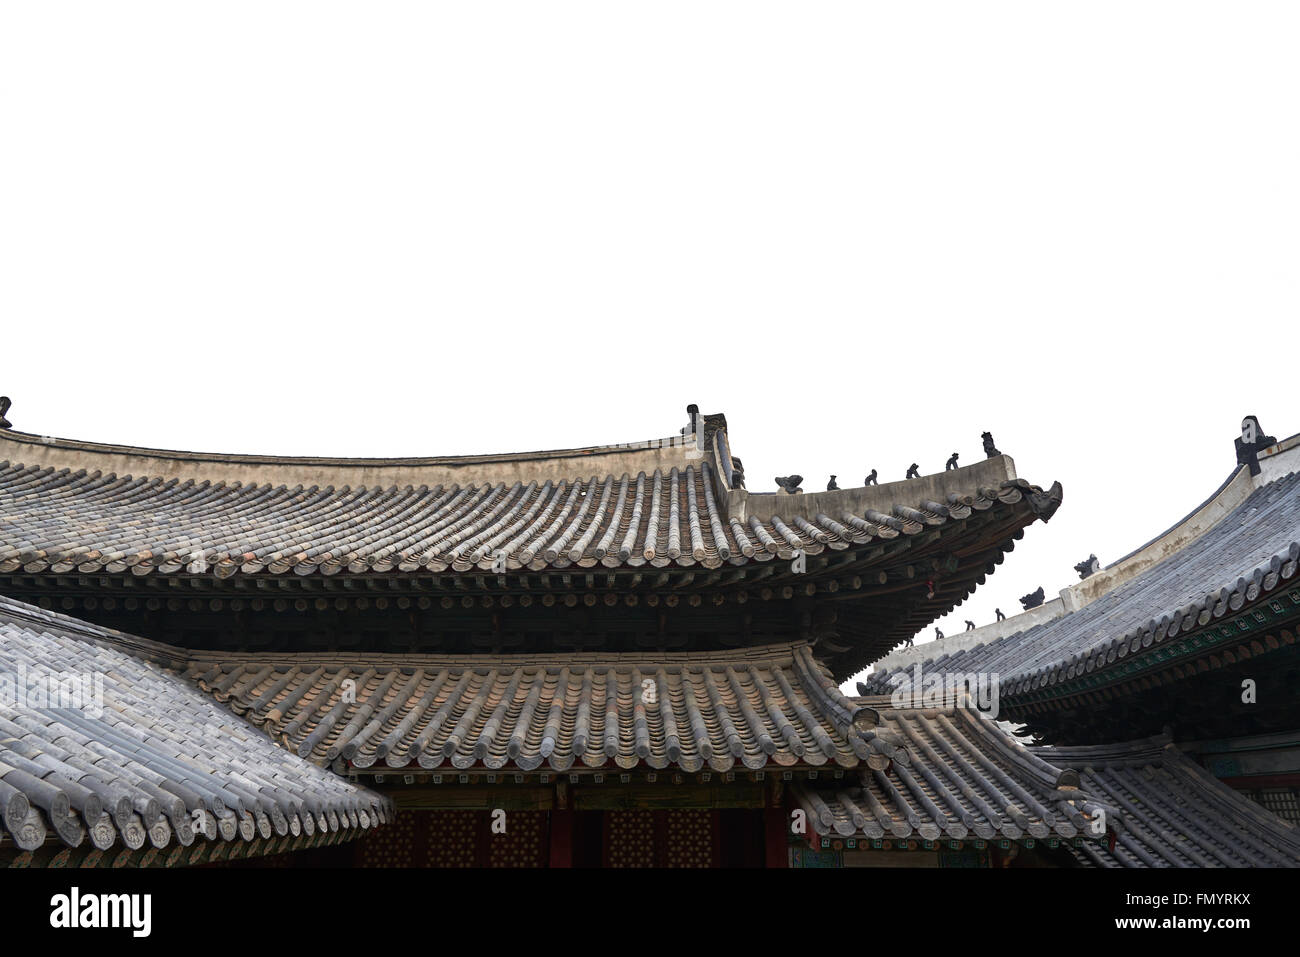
[(790, 484), (1033, 599), (737, 473)]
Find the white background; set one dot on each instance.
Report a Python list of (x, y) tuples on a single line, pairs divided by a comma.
[(865, 232)]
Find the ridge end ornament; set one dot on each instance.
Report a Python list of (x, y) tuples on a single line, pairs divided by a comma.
[(693, 432), (693, 420), (1249, 444), (1045, 503), (990, 450), (5, 402)]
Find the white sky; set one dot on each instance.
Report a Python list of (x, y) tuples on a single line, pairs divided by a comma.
[(866, 232)]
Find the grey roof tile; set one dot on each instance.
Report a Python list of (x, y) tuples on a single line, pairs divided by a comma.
[(968, 779), (55, 520), (691, 711), (134, 767), (1246, 556), (962, 778), (1175, 813)]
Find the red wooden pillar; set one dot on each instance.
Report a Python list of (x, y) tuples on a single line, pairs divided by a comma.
[(777, 852), (561, 853), (776, 821)]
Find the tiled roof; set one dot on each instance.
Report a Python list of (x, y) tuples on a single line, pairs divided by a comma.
[(967, 779), (472, 543), (963, 778), (933, 773), (60, 520), (524, 712), (1175, 813), (132, 769), (1249, 554)]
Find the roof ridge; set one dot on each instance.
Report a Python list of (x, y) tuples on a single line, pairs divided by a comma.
[(620, 660)]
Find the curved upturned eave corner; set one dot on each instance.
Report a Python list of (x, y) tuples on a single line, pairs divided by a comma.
[(97, 509), (938, 488)]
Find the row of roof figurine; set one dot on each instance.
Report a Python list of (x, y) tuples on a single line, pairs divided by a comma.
[(1086, 568), (1253, 440), (790, 484)]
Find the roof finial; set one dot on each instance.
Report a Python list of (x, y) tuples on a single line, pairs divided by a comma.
[(1249, 445), (832, 485), (990, 449), (870, 479), (951, 464), (914, 471), (4, 407), (693, 411)]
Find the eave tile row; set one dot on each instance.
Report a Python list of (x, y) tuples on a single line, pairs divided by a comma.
[(60, 520)]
